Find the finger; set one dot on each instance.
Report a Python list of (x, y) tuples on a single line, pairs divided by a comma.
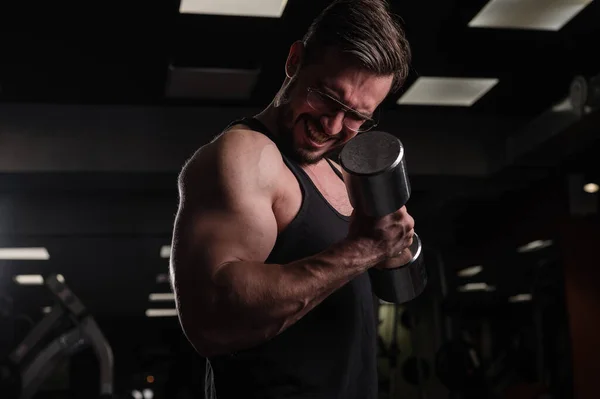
[(400, 214), (410, 222)]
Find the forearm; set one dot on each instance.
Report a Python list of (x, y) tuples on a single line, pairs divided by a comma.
[(253, 301)]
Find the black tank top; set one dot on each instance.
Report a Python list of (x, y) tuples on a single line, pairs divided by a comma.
[(329, 353)]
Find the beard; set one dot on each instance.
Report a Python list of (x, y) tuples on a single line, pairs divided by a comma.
[(286, 122)]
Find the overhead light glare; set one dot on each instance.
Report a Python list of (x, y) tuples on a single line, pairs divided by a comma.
[(161, 312), (549, 15), (591, 188), (165, 251), (535, 246), (476, 287), (158, 297), (520, 298), (24, 254), (29, 279), (263, 8), (441, 91), (470, 271)]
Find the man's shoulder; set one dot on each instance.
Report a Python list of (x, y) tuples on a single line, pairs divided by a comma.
[(241, 138), (236, 154)]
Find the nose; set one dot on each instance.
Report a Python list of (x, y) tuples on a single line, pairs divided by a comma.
[(333, 124)]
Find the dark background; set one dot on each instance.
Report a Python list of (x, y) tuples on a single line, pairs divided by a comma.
[(93, 134)]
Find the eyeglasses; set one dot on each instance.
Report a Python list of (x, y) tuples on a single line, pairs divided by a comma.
[(353, 120)]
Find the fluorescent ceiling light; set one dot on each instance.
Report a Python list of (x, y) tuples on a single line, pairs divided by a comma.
[(157, 297), (211, 83), (47, 309), (520, 298), (165, 251), (245, 8), (462, 92), (161, 312), (470, 271), (24, 254), (591, 188), (29, 279), (528, 14), (535, 245), (476, 287)]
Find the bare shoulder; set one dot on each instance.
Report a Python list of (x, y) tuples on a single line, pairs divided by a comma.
[(239, 159), (227, 191)]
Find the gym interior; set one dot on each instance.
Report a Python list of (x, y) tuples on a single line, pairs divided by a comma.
[(102, 103)]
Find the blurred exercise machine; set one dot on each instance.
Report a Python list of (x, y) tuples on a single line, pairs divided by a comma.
[(65, 331)]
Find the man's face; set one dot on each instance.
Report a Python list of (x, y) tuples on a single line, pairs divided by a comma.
[(325, 104)]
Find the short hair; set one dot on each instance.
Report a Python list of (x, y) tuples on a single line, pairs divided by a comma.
[(367, 31)]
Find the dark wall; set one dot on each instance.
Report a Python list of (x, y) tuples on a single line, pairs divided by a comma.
[(59, 138)]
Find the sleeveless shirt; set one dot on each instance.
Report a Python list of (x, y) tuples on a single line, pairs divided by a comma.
[(329, 353)]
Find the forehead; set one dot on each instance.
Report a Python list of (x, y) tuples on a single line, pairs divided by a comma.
[(357, 87)]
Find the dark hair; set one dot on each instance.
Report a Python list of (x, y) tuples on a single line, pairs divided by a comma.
[(367, 31)]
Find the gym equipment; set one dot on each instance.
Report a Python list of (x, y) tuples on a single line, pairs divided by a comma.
[(458, 366), (374, 172), (24, 372)]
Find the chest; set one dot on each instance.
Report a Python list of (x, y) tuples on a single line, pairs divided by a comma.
[(325, 183), (331, 187)]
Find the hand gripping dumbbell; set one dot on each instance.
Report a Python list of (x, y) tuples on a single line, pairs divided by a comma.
[(375, 175)]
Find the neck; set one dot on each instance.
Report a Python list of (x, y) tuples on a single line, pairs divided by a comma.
[(269, 117)]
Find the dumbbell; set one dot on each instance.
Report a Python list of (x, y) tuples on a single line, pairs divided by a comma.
[(374, 171)]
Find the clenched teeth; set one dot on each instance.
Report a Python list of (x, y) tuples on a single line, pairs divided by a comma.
[(315, 135)]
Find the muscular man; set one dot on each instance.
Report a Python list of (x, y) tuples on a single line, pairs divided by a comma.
[(269, 260)]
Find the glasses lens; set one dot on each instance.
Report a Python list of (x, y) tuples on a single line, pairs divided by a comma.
[(318, 102), (324, 104)]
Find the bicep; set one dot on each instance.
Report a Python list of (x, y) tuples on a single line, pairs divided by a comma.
[(226, 212), (237, 230)]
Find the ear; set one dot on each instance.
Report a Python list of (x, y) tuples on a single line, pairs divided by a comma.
[(294, 60)]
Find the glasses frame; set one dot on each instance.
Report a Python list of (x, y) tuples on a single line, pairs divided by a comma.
[(344, 108)]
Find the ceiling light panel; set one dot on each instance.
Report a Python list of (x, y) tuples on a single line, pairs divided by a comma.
[(520, 298), (476, 287), (549, 15), (29, 279), (238, 8), (470, 271), (161, 312), (591, 188), (24, 254), (165, 251), (534, 246), (443, 91), (159, 297)]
